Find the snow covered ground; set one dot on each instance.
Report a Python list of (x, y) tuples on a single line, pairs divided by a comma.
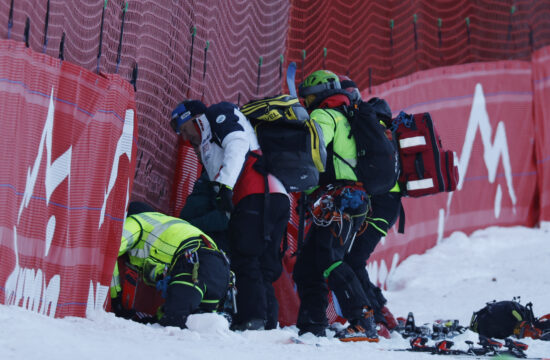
[(450, 281)]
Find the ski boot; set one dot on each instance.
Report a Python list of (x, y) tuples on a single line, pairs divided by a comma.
[(252, 324), (362, 329)]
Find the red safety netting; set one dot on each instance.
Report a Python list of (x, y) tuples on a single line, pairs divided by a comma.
[(376, 41), (541, 94), (69, 146), (230, 38)]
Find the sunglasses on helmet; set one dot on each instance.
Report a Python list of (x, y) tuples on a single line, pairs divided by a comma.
[(330, 84)]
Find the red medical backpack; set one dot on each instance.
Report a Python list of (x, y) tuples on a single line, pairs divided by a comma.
[(426, 168)]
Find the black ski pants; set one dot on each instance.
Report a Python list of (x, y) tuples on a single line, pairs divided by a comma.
[(385, 211), (320, 265), (256, 257), (186, 295)]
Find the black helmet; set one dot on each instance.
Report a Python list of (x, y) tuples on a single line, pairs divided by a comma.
[(138, 207), (382, 109), (349, 85)]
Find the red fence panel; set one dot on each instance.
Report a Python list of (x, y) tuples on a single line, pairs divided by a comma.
[(69, 150), (541, 86), (484, 113)]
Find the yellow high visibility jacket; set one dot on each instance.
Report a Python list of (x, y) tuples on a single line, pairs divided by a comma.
[(152, 241)]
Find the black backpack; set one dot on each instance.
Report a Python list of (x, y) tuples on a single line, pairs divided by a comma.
[(499, 319), (292, 145), (377, 158)]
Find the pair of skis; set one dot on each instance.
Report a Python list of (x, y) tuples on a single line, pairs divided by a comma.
[(442, 330), (487, 348), (439, 330)]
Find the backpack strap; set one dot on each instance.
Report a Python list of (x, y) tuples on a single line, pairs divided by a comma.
[(285, 245), (401, 226), (259, 166), (344, 112), (320, 97), (530, 315), (347, 163), (302, 202)]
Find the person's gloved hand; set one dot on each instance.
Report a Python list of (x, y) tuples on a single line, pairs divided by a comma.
[(225, 198), (119, 310)]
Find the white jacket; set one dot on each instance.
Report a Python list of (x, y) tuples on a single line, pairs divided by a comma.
[(227, 137)]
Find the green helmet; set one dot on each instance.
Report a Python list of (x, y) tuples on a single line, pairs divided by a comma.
[(317, 82)]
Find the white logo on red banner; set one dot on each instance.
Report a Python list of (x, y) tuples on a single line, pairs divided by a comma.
[(493, 152), (28, 287)]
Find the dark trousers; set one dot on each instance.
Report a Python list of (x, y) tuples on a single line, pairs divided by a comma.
[(386, 207), (186, 296), (256, 256), (320, 266)]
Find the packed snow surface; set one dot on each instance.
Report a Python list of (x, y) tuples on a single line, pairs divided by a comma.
[(450, 281)]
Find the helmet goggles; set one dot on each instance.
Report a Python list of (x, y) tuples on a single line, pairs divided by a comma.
[(315, 89)]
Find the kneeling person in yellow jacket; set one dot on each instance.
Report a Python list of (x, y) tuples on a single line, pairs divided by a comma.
[(177, 257)]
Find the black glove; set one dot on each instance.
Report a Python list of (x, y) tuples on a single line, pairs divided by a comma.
[(225, 198), (178, 320), (119, 310)]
